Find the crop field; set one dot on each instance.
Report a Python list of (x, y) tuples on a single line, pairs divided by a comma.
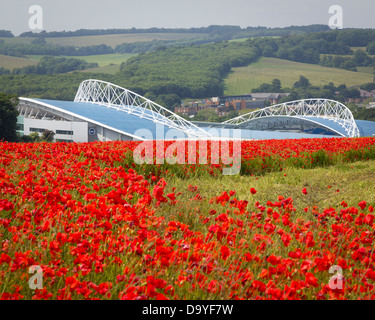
[(115, 39), (296, 223), (8, 62), (243, 79)]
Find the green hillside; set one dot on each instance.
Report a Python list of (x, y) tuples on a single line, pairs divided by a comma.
[(241, 80)]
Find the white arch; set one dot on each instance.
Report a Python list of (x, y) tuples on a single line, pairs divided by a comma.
[(113, 96), (316, 108)]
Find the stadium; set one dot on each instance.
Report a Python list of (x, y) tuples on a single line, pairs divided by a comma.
[(102, 111)]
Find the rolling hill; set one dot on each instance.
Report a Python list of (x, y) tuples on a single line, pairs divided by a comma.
[(241, 80)]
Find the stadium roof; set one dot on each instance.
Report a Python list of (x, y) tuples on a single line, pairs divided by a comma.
[(125, 112), (112, 118), (313, 110)]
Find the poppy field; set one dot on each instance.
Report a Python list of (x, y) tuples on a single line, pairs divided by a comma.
[(100, 226)]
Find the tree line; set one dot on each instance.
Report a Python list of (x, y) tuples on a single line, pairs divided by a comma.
[(50, 86), (6, 34), (236, 31), (44, 48), (215, 33), (308, 48), (359, 59), (52, 65), (303, 89)]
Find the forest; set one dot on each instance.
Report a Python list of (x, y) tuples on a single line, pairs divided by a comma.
[(44, 48)]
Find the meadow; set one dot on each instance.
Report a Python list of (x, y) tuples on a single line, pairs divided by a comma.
[(242, 79), (101, 226), (8, 62)]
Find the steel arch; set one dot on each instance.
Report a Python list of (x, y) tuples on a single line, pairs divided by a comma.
[(113, 96), (318, 108)]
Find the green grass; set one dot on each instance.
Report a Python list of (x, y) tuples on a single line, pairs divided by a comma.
[(10, 63), (326, 187), (369, 70), (243, 79), (114, 39)]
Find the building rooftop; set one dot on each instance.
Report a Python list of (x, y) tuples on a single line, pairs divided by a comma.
[(110, 117), (129, 123)]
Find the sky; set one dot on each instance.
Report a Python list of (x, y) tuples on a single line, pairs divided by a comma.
[(69, 15)]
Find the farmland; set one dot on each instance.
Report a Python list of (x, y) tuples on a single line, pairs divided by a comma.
[(115, 39), (242, 79), (8, 62), (102, 227)]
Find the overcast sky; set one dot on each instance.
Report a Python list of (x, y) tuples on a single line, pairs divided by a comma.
[(59, 15)]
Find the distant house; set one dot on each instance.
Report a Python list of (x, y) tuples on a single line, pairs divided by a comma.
[(274, 98), (365, 94), (245, 104), (227, 99), (187, 110), (222, 105)]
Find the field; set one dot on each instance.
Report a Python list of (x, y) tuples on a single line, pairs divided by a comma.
[(115, 39), (108, 63), (10, 63), (243, 79), (296, 223), (111, 39)]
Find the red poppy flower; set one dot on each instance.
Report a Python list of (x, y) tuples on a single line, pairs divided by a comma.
[(311, 280), (362, 204)]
